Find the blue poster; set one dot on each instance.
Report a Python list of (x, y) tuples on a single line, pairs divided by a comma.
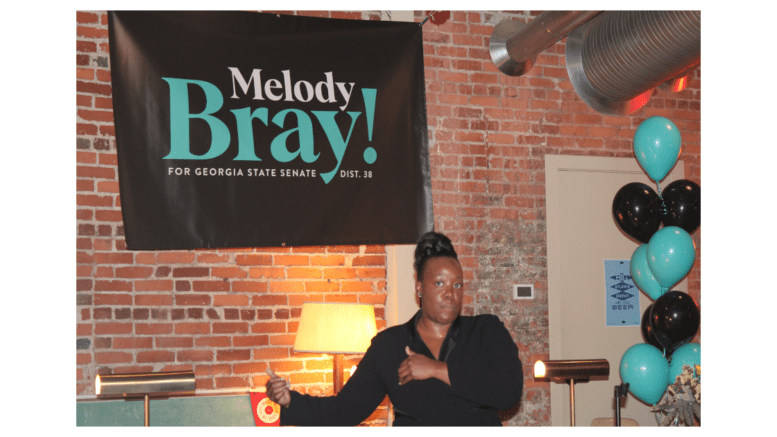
[(621, 295)]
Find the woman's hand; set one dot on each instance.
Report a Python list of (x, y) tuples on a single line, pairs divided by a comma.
[(419, 367), (278, 389)]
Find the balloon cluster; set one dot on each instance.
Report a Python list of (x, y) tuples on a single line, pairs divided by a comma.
[(665, 256)]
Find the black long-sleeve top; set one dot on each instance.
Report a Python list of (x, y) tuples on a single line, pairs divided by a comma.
[(483, 367)]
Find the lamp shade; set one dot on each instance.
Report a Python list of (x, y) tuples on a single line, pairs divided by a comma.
[(574, 369), (139, 384), (335, 328)]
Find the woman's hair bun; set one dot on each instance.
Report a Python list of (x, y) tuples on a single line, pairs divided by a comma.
[(432, 245)]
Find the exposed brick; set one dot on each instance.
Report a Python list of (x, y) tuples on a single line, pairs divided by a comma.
[(173, 342), (230, 300), (292, 260), (230, 328), (132, 343), (212, 258), (327, 260), (192, 328), (233, 355), (183, 286), (489, 134), (247, 314), (113, 258), (263, 314), (133, 272), (270, 353), (266, 272), (369, 261), (83, 284), (192, 299), (154, 285), (210, 286), (303, 273), (122, 313), (251, 341), (228, 272), (239, 368), (153, 300), (253, 260), (268, 328), (213, 341), (86, 17), (155, 328), (112, 299), (155, 356), (83, 343), (214, 369), (159, 313), (194, 355), (112, 357), (268, 300), (102, 313), (249, 287), (191, 272), (175, 257)]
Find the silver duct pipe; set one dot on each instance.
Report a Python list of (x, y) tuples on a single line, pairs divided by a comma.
[(615, 60), (514, 46)]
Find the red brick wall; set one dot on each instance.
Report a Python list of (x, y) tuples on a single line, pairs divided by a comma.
[(226, 314), (489, 134)]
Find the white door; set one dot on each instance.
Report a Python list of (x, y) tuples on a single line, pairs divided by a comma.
[(581, 235)]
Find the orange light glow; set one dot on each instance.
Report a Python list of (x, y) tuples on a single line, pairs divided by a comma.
[(639, 101), (680, 84)]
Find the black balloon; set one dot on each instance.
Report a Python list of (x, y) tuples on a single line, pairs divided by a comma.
[(682, 199), (674, 319), (636, 209), (647, 331)]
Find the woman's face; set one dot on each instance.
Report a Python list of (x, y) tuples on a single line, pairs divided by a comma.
[(442, 289)]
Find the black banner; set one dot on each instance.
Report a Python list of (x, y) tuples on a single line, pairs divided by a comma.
[(242, 129)]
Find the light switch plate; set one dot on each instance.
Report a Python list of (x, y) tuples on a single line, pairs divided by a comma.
[(523, 291)]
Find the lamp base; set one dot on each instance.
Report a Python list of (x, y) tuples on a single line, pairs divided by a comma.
[(572, 401), (146, 409), (337, 372)]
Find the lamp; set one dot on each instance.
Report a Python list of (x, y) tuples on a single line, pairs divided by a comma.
[(570, 371), (145, 385), (337, 329)]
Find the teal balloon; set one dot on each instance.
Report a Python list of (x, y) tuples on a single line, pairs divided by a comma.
[(645, 369), (670, 255), (642, 276), (657, 146), (690, 354)]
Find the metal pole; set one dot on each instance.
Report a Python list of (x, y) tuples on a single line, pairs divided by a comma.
[(145, 410), (337, 369), (572, 400), (617, 405)]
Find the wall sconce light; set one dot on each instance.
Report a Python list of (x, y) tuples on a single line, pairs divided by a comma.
[(337, 329), (145, 385), (570, 371)]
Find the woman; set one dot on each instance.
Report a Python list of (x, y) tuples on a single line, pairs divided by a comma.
[(439, 368)]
